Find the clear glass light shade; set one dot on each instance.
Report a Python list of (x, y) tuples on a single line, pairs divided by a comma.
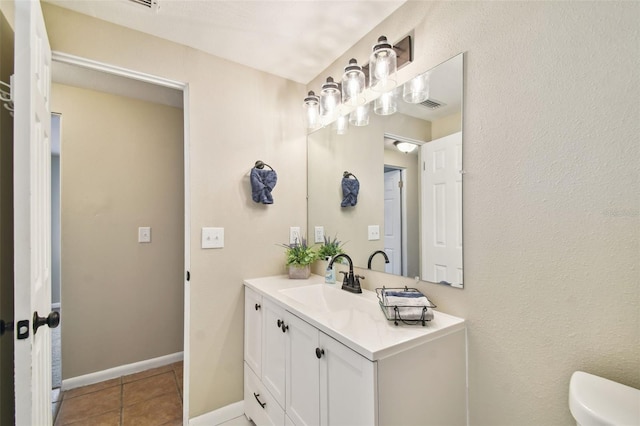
[(360, 115), (329, 98), (382, 66), (311, 107), (405, 147), (416, 90), (341, 125), (386, 104), (353, 84)]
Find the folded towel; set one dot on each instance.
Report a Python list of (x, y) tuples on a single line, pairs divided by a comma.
[(262, 183), (350, 189), (408, 293), (408, 308)]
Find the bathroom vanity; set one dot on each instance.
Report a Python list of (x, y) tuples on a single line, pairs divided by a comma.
[(317, 355)]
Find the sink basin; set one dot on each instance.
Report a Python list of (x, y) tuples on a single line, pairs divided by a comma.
[(327, 298)]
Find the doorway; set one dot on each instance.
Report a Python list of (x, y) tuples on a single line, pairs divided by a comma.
[(103, 211)]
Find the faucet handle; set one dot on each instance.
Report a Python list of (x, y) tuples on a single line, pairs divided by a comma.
[(360, 276), (345, 280)]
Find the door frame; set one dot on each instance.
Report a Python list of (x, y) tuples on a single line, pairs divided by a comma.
[(68, 59)]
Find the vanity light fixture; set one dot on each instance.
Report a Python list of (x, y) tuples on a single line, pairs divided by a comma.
[(386, 104), (341, 124), (382, 66), (329, 97), (312, 111), (405, 147), (353, 84), (360, 116), (416, 90)]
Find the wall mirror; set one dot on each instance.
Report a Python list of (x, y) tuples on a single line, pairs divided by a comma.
[(409, 204)]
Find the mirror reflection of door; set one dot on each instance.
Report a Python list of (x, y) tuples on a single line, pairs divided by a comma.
[(394, 223), (442, 210)]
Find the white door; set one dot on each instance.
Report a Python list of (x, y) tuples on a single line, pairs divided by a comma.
[(303, 372), (32, 214), (393, 221), (442, 210), (347, 386)]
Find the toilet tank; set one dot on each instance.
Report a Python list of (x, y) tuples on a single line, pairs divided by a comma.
[(596, 401)]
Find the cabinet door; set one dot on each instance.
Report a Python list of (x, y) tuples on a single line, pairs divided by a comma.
[(303, 372), (273, 350), (347, 386), (253, 330)]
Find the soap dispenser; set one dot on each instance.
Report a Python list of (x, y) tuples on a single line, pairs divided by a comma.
[(330, 273)]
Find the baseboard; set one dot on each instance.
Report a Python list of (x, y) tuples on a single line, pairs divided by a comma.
[(220, 415), (123, 370)]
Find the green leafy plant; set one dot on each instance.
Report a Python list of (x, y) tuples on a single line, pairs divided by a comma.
[(300, 253), (330, 248)]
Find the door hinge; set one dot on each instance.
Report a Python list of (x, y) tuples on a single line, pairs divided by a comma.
[(400, 184), (188, 276)]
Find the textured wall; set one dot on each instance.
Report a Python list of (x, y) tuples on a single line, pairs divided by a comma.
[(551, 194)]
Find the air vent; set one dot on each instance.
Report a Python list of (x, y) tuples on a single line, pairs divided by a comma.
[(432, 104), (149, 4)]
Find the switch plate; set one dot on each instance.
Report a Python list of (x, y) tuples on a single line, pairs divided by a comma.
[(294, 235), (144, 234), (319, 234), (212, 238), (374, 232)]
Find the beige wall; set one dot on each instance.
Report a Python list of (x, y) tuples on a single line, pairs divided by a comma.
[(237, 116), (122, 167), (446, 126), (551, 196), (6, 227)]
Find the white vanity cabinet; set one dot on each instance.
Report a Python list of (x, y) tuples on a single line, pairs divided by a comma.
[(313, 378), (335, 360)]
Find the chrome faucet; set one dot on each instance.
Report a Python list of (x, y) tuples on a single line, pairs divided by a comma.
[(386, 259), (351, 282)]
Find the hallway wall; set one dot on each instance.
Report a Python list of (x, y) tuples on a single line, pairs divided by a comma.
[(121, 168)]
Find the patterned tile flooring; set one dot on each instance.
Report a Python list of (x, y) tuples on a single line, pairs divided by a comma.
[(152, 397)]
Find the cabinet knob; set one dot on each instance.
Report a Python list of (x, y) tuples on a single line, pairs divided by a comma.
[(284, 327), (280, 323), (257, 306), (319, 352)]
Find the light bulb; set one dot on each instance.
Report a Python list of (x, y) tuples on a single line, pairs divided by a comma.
[(386, 104), (312, 111), (353, 84), (382, 66), (416, 90), (360, 116), (329, 97)]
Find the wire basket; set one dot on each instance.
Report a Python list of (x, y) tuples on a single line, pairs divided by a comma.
[(406, 311)]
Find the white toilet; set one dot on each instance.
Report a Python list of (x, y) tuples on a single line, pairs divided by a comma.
[(595, 401)]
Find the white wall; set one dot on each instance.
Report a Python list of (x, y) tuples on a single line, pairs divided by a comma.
[(551, 194)]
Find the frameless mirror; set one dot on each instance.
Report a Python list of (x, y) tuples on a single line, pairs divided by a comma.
[(409, 204)]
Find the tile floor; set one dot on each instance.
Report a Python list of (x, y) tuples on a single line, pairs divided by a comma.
[(152, 397)]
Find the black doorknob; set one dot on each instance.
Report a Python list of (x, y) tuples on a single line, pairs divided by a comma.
[(319, 352), (52, 320)]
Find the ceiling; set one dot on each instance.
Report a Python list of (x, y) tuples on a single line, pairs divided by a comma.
[(295, 40)]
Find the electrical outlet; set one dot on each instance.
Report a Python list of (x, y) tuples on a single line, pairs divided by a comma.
[(374, 232), (144, 234), (294, 235), (319, 234)]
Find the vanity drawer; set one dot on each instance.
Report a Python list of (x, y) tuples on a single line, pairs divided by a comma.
[(255, 394)]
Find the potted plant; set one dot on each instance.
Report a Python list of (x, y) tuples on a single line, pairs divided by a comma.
[(330, 248), (300, 256)]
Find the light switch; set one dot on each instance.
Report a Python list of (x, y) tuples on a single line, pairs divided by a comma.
[(374, 232), (212, 238), (319, 234), (144, 234)]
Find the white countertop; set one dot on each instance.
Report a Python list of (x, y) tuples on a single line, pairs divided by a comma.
[(356, 320)]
